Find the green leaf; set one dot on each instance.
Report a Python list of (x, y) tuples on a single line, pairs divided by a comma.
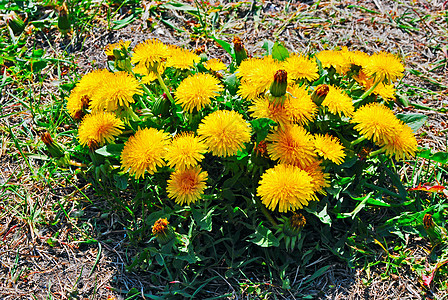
[(415, 121), (440, 157), (118, 24), (226, 46), (110, 150), (261, 127), (357, 209), (279, 52), (231, 83), (204, 221), (263, 237), (121, 181), (322, 215), (267, 45)]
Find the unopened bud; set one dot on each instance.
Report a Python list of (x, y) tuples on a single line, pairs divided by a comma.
[(240, 51), (54, 149), (320, 93), (163, 232), (15, 23), (64, 24), (278, 87)]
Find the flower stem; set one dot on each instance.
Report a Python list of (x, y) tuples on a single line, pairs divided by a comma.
[(369, 91), (376, 152), (357, 141), (165, 88), (266, 212)]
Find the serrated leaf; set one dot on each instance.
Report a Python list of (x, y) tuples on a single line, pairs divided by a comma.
[(440, 157), (263, 237), (110, 150), (279, 52), (415, 121)]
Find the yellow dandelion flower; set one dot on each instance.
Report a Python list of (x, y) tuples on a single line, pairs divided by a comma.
[(196, 91), (401, 143), (386, 91), (224, 132), (300, 106), (262, 108), (338, 102), (384, 67), (376, 122), (335, 59), (291, 145), (258, 73), (144, 151), (329, 147), (185, 151), (181, 58), (357, 58), (91, 82), (117, 91), (286, 187), (215, 65), (187, 186), (249, 91), (76, 103), (99, 128), (150, 52), (116, 46), (301, 67), (320, 179)]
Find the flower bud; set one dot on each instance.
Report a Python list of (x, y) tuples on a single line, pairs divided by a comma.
[(15, 23), (278, 87), (320, 93), (64, 24), (294, 225), (54, 149), (435, 233), (240, 51), (163, 232)]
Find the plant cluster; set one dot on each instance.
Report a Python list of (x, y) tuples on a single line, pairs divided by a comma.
[(249, 152)]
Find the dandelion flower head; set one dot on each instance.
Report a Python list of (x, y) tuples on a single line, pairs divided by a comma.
[(144, 151), (338, 102), (301, 67), (196, 91), (215, 65), (376, 122), (257, 74), (329, 147), (99, 128), (185, 151), (116, 46), (287, 187), (262, 108), (181, 58), (384, 67), (300, 106), (401, 143), (150, 52), (335, 59), (92, 82), (224, 132), (291, 145), (187, 186), (117, 91)]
